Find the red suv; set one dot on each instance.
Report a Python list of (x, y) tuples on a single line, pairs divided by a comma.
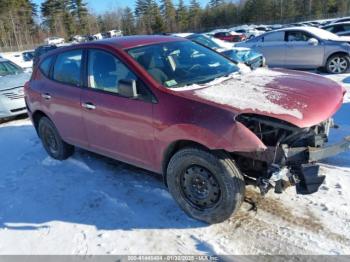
[(179, 109)]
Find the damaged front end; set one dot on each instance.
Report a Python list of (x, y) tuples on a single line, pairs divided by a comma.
[(291, 154)]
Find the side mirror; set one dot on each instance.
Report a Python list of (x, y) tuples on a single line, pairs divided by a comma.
[(127, 88), (313, 42)]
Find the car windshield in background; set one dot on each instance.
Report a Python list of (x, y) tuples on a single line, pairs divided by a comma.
[(9, 68), (204, 40), (182, 63)]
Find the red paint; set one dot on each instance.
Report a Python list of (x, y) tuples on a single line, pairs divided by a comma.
[(231, 37), (140, 132)]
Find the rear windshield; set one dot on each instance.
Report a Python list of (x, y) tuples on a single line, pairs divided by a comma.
[(9, 68)]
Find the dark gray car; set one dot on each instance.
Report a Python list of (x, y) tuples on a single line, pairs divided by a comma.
[(303, 48)]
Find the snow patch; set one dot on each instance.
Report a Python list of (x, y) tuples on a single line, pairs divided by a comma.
[(48, 161)]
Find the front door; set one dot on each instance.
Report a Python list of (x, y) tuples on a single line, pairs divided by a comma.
[(116, 126), (300, 53)]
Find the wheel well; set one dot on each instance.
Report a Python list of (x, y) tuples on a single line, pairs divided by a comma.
[(176, 146), (337, 53), (36, 118)]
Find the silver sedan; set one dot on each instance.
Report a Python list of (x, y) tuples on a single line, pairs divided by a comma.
[(303, 48), (12, 80)]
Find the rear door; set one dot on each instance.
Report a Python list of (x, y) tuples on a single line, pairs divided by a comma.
[(59, 89), (273, 47), (302, 54), (117, 126)]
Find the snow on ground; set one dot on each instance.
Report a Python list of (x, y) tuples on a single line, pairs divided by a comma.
[(93, 205)]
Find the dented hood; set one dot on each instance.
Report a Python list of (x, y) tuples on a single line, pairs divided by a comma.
[(300, 98)]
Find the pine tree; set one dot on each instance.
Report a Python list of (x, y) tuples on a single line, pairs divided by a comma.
[(182, 16), (169, 15), (79, 11), (128, 22), (194, 15)]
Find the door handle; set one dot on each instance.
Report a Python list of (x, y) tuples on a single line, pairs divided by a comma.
[(88, 105), (46, 96)]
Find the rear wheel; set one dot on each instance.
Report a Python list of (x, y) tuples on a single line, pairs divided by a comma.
[(207, 186), (52, 141), (338, 64)]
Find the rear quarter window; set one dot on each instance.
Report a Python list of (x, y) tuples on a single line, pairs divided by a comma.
[(45, 66), (67, 67)]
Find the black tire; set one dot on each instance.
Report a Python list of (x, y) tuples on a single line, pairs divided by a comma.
[(52, 141), (221, 178), (338, 64)]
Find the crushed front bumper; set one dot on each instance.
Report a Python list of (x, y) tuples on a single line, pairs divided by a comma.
[(301, 163), (312, 154), (316, 154)]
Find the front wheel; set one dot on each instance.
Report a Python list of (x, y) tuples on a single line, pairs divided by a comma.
[(338, 64), (207, 186), (52, 141)]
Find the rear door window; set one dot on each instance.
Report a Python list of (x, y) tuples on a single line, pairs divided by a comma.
[(67, 67), (274, 37)]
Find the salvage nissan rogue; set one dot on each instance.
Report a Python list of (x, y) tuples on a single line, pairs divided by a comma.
[(174, 107)]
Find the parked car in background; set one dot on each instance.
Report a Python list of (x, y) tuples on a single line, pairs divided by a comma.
[(54, 40), (23, 59), (12, 80), (249, 33), (182, 110), (263, 28), (340, 20), (114, 33), (303, 48), (239, 55), (340, 29), (39, 51), (28, 55), (230, 36), (78, 39)]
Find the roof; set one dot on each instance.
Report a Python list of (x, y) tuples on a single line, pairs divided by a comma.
[(337, 23), (321, 33), (3, 59), (126, 42), (182, 34)]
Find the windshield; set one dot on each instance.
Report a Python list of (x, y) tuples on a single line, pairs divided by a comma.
[(177, 64), (9, 68), (204, 40)]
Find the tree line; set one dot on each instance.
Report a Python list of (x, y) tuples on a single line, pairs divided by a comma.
[(24, 23)]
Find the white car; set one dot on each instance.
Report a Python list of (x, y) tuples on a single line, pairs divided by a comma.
[(98, 36), (12, 80), (249, 33), (23, 59), (54, 40)]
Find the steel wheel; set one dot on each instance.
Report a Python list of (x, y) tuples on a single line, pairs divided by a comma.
[(338, 64), (49, 139), (200, 188), (52, 141)]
